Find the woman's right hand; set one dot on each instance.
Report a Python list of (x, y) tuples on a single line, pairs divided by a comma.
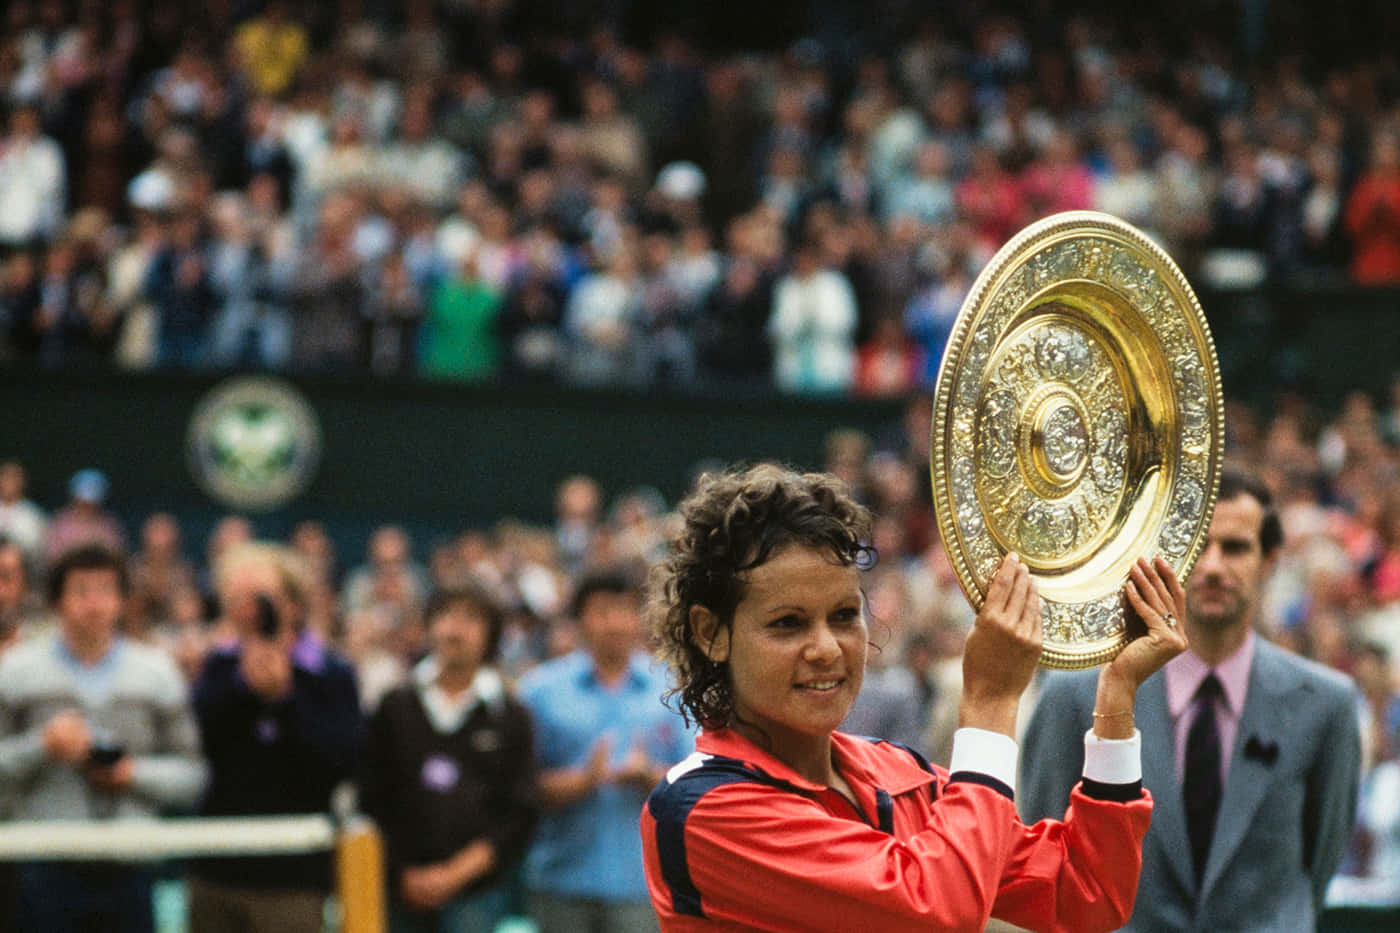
[(1002, 650)]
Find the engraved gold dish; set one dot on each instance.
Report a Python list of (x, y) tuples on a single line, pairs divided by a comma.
[(1078, 422)]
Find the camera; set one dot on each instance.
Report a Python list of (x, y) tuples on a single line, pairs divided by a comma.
[(269, 623), (106, 750)]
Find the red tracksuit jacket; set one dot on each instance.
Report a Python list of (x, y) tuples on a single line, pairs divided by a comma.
[(735, 840)]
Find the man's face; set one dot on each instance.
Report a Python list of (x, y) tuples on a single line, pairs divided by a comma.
[(91, 604), (578, 501), (1224, 587), (388, 548), (611, 623), (24, 123), (12, 584), (460, 634), (11, 482), (160, 536), (239, 592)]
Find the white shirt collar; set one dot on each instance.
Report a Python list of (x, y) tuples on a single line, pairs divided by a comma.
[(448, 713)]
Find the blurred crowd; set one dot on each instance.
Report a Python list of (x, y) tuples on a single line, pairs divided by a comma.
[(501, 191), (1334, 597)]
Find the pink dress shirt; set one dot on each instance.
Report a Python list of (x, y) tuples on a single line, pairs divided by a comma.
[(1184, 675)]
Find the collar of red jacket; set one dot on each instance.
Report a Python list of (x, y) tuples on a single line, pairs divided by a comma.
[(860, 761)]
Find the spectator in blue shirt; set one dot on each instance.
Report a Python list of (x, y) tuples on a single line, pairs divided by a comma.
[(603, 740)]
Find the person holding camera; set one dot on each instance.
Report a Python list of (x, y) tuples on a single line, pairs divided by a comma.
[(92, 727), (280, 719)]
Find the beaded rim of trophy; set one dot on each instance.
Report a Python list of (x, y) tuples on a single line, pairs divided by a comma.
[(1078, 421)]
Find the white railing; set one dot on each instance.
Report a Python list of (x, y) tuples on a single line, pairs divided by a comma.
[(147, 840), (357, 848)]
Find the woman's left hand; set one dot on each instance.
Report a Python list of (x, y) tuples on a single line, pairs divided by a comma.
[(1156, 595)]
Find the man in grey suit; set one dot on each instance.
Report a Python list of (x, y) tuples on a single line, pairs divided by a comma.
[(1252, 754)]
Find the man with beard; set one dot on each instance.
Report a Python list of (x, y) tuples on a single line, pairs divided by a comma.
[(1252, 754)]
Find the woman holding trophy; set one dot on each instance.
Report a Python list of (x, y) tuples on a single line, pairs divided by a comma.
[(779, 822), (1075, 459)]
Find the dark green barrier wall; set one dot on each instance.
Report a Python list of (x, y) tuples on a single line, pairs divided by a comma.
[(1360, 920), (443, 458), (1322, 341), (437, 457)]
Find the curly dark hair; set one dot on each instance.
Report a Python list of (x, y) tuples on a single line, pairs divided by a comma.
[(732, 522)]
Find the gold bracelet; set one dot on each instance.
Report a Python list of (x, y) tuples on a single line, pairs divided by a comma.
[(1098, 715)]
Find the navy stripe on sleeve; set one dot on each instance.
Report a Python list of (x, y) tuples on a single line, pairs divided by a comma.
[(986, 780), (1118, 793)]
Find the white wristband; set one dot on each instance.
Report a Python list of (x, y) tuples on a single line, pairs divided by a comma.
[(991, 753), (1113, 761)]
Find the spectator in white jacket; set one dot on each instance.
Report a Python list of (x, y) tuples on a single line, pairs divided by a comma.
[(601, 323), (32, 186), (813, 326)]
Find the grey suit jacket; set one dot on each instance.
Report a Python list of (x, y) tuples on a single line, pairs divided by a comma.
[(1283, 822)]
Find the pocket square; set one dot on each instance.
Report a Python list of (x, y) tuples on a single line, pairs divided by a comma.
[(1266, 753)]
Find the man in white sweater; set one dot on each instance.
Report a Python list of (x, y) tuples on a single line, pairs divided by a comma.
[(92, 726)]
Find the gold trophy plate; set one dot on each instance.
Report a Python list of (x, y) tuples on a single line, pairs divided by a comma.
[(1079, 423)]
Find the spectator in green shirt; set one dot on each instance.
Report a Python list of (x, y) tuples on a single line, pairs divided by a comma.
[(459, 336)]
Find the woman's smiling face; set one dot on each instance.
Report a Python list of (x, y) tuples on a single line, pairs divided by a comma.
[(796, 649)]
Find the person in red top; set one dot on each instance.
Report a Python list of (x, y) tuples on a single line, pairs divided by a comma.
[(778, 822), (889, 363), (1373, 216), (990, 197)]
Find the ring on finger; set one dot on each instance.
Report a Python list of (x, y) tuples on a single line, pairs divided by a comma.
[(1171, 620)]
